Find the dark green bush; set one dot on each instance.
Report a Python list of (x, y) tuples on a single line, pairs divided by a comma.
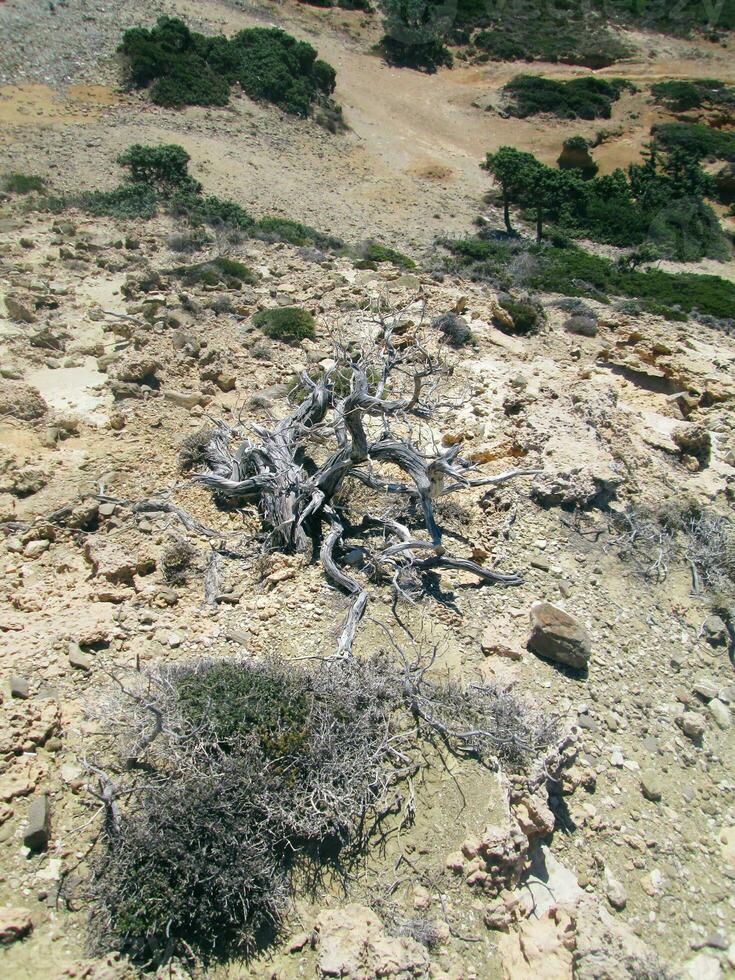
[(428, 57), (295, 233), (187, 68), (125, 201), (375, 252), (575, 155), (698, 141), (683, 95), (287, 323), (571, 271), (525, 316), (15, 183), (579, 98), (164, 168), (215, 271)]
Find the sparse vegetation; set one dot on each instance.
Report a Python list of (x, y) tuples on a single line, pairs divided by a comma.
[(184, 68), (286, 230), (17, 183), (455, 329), (573, 272), (288, 323)]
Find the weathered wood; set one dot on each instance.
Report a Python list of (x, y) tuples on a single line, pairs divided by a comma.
[(296, 494)]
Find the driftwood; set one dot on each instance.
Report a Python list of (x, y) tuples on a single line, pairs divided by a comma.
[(296, 482)]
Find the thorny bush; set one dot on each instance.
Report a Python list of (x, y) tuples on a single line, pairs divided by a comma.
[(224, 778)]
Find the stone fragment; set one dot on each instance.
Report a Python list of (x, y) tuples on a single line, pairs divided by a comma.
[(702, 967), (17, 311), (354, 943), (78, 659), (185, 399), (715, 631), (651, 785), (557, 636), (21, 401), (720, 713), (614, 891), (34, 549), (692, 724), (36, 833), (18, 686), (15, 923)]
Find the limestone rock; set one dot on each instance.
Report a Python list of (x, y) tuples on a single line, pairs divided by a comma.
[(557, 636), (354, 944), (15, 923), (17, 311), (21, 401), (36, 833)]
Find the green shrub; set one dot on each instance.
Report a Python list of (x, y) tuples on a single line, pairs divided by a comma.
[(539, 36), (215, 271), (374, 252), (578, 98), (689, 229), (683, 95), (287, 323), (571, 271), (455, 328), (428, 57), (164, 168), (125, 201), (295, 233), (187, 68), (210, 210), (525, 316), (698, 141), (15, 183)]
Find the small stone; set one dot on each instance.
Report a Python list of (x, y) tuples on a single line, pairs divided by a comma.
[(106, 510), (614, 891), (702, 967), (715, 631), (78, 659), (557, 636), (18, 686), (720, 713), (692, 724), (705, 689), (34, 549), (17, 311), (617, 758), (15, 923), (185, 399), (36, 833), (651, 785)]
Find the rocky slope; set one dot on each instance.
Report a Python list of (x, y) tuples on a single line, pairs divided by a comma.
[(101, 381)]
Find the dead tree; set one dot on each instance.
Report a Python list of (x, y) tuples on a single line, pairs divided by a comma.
[(361, 410)]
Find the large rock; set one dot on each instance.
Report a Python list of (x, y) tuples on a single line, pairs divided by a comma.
[(36, 833), (557, 636)]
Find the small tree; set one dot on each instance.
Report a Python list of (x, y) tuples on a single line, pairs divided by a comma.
[(164, 168), (510, 169)]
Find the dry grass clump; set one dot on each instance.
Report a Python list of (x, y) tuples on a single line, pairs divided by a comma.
[(224, 777)]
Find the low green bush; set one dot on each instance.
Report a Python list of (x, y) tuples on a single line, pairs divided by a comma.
[(571, 271), (525, 316), (375, 252), (701, 142), (288, 323), (16, 183), (215, 271), (125, 201), (187, 68), (428, 57), (579, 98), (682, 95), (295, 233)]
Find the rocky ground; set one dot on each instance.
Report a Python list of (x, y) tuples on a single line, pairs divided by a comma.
[(100, 384)]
